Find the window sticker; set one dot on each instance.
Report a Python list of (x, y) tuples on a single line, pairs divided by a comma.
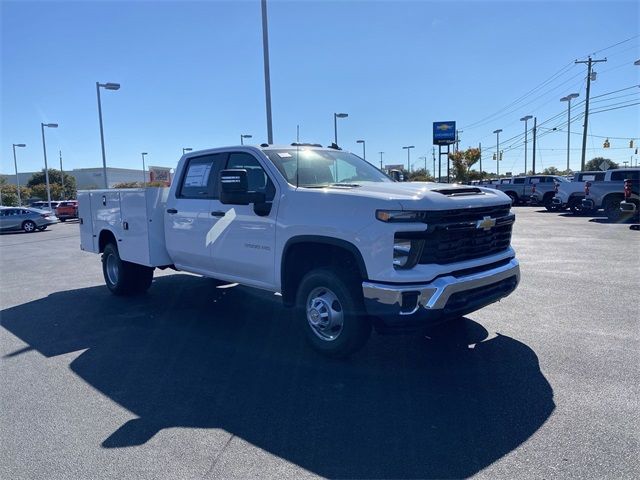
[(197, 175), (284, 154)]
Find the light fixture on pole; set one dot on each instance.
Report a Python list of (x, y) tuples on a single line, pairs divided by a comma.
[(186, 149), (408, 149), (106, 86), (242, 137), (15, 164), (336, 116), (381, 153), (525, 119), (46, 167), (497, 132), (144, 175), (568, 99), (364, 152)]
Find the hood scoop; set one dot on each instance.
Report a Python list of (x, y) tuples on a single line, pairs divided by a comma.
[(459, 192)]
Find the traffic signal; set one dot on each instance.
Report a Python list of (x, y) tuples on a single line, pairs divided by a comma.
[(494, 156), (500, 155), (630, 143), (606, 144)]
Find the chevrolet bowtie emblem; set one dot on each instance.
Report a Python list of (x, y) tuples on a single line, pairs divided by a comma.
[(486, 223)]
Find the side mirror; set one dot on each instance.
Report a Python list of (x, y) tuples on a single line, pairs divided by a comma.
[(234, 188)]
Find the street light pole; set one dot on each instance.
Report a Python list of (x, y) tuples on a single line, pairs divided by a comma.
[(364, 152), (62, 175), (497, 132), (408, 149), (15, 164), (243, 136), (107, 86), (525, 119), (144, 175), (186, 149), (267, 75), (380, 159), (46, 167), (568, 99), (336, 116)]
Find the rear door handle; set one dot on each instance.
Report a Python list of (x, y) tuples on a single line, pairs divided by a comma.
[(172, 210), (218, 213)]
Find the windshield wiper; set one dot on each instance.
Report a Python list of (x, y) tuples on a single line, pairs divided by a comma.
[(345, 185)]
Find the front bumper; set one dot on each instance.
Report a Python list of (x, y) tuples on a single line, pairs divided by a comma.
[(627, 207), (410, 307), (588, 204)]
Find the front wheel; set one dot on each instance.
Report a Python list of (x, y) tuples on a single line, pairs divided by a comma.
[(29, 226), (42, 228), (330, 306), (612, 209), (124, 278)]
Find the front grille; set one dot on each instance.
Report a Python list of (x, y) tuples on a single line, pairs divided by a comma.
[(456, 236), (457, 245)]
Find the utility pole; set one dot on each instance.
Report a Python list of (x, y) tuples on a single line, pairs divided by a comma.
[(433, 153), (480, 148), (62, 175), (535, 131), (589, 63), (380, 159)]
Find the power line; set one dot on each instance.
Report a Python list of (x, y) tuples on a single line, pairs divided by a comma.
[(615, 44)]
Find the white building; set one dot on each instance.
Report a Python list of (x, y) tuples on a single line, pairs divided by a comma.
[(90, 178)]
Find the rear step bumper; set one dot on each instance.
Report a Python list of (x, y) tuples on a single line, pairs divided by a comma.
[(628, 207)]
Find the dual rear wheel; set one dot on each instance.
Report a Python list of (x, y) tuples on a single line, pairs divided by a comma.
[(124, 278)]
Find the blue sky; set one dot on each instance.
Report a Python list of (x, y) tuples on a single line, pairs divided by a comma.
[(192, 76)]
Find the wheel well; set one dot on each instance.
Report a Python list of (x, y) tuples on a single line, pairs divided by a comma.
[(548, 194), (299, 257), (105, 238), (612, 196), (511, 193)]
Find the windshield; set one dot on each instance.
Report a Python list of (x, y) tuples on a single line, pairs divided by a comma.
[(318, 168)]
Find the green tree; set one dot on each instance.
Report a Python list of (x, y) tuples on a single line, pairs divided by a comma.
[(420, 175), (10, 193), (55, 180), (594, 164), (462, 161)]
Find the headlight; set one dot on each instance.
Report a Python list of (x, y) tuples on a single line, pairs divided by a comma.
[(400, 216), (406, 253)]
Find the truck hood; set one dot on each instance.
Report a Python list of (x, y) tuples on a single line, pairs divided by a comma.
[(426, 195)]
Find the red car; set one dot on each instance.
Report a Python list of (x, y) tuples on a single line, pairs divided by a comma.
[(67, 209)]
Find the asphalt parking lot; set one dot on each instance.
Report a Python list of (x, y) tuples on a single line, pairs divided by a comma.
[(195, 381)]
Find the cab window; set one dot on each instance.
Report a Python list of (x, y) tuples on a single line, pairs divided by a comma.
[(257, 178), (199, 176)]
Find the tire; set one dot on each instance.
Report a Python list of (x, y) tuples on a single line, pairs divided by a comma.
[(29, 227), (63, 219), (575, 205), (124, 278), (330, 306), (612, 209), (548, 203), (42, 228)]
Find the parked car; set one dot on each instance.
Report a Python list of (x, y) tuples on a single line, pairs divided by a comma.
[(42, 205), (608, 193), (67, 209), (27, 219), (535, 189), (570, 194)]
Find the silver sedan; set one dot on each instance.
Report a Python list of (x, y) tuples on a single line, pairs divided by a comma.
[(27, 219)]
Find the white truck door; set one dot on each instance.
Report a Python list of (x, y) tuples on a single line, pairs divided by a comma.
[(243, 242), (188, 220)]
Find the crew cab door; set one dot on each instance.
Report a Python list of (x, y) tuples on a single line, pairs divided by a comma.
[(190, 214), (243, 247)]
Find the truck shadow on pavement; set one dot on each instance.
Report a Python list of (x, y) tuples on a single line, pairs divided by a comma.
[(189, 354)]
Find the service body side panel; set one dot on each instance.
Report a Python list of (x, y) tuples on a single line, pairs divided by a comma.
[(88, 242)]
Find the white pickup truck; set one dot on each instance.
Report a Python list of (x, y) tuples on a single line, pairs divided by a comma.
[(343, 244)]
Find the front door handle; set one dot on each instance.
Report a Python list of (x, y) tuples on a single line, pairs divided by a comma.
[(218, 213), (172, 210)]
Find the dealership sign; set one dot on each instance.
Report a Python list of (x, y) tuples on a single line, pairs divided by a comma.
[(444, 133), (160, 174)]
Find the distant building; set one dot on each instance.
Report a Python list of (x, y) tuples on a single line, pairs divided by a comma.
[(90, 178)]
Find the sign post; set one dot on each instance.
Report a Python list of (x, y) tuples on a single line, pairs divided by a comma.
[(444, 133)]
